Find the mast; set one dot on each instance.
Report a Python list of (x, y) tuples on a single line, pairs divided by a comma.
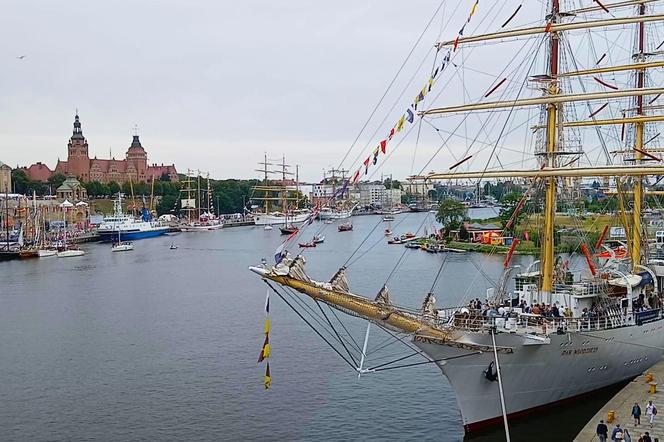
[(7, 218), (638, 148), (198, 193), (551, 147)]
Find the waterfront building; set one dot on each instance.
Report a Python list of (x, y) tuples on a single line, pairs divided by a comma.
[(5, 178), (72, 190), (378, 195), (133, 167)]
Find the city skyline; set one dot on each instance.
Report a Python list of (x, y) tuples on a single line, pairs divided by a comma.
[(216, 86)]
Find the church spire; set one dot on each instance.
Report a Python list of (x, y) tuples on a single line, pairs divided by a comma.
[(78, 132)]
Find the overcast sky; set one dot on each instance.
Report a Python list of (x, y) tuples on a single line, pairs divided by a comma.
[(212, 85)]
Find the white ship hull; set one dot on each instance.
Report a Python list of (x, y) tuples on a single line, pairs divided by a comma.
[(342, 214), (45, 253), (542, 374), (200, 227), (261, 219), (70, 253)]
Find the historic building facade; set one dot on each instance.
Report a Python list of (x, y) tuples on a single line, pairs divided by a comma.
[(133, 167), (5, 178)]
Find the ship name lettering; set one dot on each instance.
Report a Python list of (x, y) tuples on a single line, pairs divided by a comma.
[(579, 351)]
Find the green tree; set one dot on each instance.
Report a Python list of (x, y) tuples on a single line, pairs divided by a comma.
[(113, 187), (56, 180), (450, 214), (168, 204)]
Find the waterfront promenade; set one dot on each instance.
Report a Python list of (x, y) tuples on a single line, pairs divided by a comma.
[(621, 404)]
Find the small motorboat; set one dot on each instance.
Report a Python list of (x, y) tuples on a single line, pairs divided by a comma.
[(173, 247), (70, 253), (122, 247), (346, 227), (45, 253), (387, 218), (328, 221), (267, 227), (388, 232), (318, 239), (308, 244)]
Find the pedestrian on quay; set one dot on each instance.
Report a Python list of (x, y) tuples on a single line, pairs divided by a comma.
[(602, 431), (646, 437), (636, 414), (626, 436), (651, 412), (617, 434)]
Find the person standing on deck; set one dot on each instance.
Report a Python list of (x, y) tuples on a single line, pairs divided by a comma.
[(636, 414)]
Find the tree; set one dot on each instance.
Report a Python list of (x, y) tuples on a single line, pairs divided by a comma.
[(450, 214), (168, 204), (509, 203), (113, 187), (56, 180), (165, 177), (96, 189)]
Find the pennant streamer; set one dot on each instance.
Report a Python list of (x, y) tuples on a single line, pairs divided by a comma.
[(265, 351), (409, 115), (512, 16), (604, 83)]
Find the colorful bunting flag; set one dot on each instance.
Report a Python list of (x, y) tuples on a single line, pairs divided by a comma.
[(400, 123), (356, 177), (410, 116), (267, 381), (383, 144), (391, 134)]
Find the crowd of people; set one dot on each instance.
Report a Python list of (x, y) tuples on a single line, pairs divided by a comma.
[(620, 434)]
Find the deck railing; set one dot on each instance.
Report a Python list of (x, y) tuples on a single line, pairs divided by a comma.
[(474, 320)]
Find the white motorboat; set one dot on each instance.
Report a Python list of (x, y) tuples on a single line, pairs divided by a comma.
[(45, 253), (70, 253), (122, 247)]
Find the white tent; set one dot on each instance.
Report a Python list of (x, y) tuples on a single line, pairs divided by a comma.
[(81, 204), (66, 204)]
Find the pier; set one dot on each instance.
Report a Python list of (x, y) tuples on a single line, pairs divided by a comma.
[(621, 405)]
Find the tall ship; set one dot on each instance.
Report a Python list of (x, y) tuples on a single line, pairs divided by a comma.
[(277, 192), (544, 335), (127, 226), (196, 203)]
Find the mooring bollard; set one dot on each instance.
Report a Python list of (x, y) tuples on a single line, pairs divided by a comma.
[(611, 415), (653, 387), (649, 377)]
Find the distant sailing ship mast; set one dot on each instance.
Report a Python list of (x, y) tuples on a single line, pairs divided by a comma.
[(578, 353)]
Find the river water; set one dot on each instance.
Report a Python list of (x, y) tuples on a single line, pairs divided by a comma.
[(159, 344)]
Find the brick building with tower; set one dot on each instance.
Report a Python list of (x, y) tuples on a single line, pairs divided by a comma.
[(133, 167)]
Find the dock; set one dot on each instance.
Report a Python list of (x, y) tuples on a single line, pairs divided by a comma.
[(621, 404), (230, 223)]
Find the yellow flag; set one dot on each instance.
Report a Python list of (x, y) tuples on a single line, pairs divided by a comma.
[(267, 326), (400, 123), (472, 10), (267, 382), (266, 351)]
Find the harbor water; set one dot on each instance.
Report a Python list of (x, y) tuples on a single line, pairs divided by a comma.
[(160, 344)]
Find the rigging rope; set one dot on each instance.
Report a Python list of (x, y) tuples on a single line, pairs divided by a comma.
[(373, 112), (311, 326)]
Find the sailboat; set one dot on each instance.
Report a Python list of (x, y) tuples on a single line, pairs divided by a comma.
[(68, 250), (278, 191), (506, 365), (121, 246)]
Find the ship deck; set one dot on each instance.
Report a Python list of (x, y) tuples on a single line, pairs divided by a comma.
[(621, 404)]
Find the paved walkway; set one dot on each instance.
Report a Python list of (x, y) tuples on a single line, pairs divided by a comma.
[(621, 403)]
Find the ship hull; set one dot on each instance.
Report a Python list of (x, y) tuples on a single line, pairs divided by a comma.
[(335, 215), (539, 375), (131, 235), (261, 219)]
